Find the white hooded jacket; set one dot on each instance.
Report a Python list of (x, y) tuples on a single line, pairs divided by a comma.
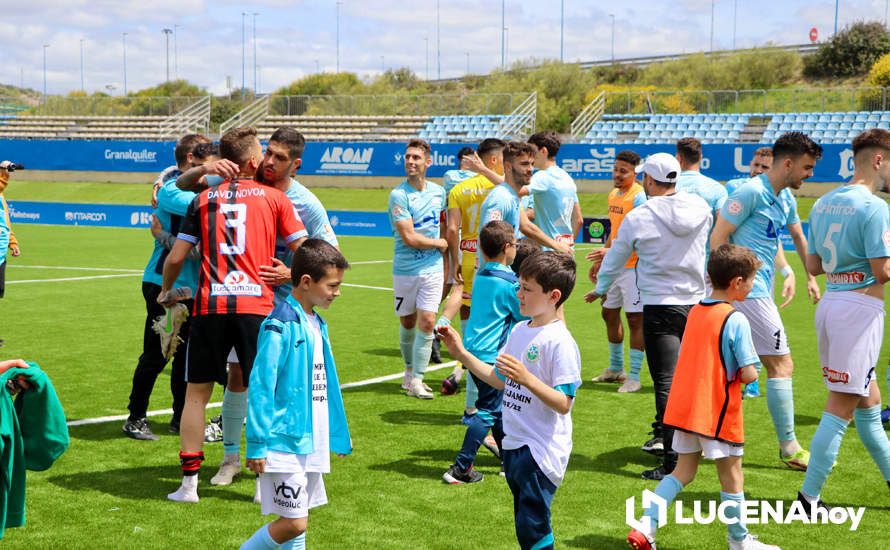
[(670, 236)]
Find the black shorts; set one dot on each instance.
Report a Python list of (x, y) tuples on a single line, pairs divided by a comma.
[(210, 340), (2, 278)]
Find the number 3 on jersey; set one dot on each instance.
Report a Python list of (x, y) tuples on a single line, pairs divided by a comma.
[(236, 231)]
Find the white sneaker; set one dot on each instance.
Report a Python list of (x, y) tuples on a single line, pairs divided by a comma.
[(419, 390), (188, 490), (167, 327), (750, 542), (630, 386), (257, 496), (228, 470), (406, 379), (458, 373), (611, 376)]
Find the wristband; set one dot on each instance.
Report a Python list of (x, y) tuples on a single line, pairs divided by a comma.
[(786, 271)]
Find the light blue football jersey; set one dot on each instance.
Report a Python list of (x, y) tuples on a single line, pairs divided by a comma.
[(758, 215), (453, 177), (849, 225), (527, 202), (555, 196), (734, 184), (490, 322), (736, 343), (314, 216), (425, 209), (699, 184), (173, 203), (501, 203)]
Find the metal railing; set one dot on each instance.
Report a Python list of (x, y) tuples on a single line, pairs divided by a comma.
[(589, 116), (255, 112), (801, 49), (193, 119), (102, 105), (779, 100), (396, 104), (521, 122)]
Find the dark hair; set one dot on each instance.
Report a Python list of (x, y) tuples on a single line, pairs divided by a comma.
[(548, 139), (764, 152), (730, 261), (313, 258), (237, 144), (465, 152), (494, 236), (689, 149), (515, 149), (296, 143), (524, 249), (419, 144), (794, 145), (628, 156), (489, 145), (204, 150), (551, 270), (874, 138), (186, 145)]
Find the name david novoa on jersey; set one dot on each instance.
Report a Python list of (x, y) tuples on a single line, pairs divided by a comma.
[(236, 283)]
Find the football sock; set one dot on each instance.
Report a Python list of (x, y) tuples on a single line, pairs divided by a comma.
[(636, 363), (260, 540), (296, 543), (668, 489), (406, 344), (472, 393), (420, 357), (234, 411), (616, 356), (873, 436), (190, 463), (780, 402), (737, 530), (823, 452)]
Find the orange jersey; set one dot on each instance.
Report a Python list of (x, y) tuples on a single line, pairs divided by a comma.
[(702, 401), (235, 225), (620, 203)]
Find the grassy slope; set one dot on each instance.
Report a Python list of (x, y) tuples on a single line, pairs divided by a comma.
[(108, 491)]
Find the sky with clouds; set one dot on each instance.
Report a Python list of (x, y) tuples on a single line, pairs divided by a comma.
[(293, 37)]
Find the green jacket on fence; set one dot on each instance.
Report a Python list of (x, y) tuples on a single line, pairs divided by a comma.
[(33, 434)]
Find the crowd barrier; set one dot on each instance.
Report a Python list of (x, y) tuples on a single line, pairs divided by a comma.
[(345, 222), (582, 161)]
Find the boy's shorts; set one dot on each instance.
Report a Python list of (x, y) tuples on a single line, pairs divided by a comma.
[(624, 293), (532, 495), (767, 329), (413, 292), (291, 494), (849, 329), (210, 339), (686, 443)]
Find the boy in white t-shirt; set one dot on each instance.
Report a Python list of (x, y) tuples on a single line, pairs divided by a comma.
[(295, 409), (539, 369)]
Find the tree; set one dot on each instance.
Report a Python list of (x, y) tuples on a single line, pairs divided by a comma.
[(851, 52)]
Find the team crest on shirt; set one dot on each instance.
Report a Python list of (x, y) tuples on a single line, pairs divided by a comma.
[(236, 283), (532, 353), (734, 207), (495, 215), (397, 211), (887, 238)]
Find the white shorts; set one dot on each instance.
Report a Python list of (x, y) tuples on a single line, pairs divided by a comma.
[(767, 329), (849, 329), (686, 443), (291, 494), (624, 293), (413, 292)]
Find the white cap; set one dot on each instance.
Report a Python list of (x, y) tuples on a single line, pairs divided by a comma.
[(662, 167)]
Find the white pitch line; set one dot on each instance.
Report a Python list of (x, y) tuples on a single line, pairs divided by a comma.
[(70, 268), (161, 412), (72, 278), (367, 286)]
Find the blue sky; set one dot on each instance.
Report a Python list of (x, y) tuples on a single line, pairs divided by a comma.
[(293, 37)]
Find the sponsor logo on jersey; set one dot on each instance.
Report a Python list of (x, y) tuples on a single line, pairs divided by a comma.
[(236, 283), (734, 207), (845, 278), (532, 353), (468, 245), (346, 159), (835, 377)]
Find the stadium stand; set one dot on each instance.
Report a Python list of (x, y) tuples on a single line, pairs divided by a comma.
[(829, 127), (347, 128)]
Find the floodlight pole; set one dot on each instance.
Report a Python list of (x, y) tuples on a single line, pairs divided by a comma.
[(426, 41), (82, 86), (712, 26), (468, 62), (735, 10), (338, 37), (503, 35), (836, 2), (124, 39), (175, 53), (254, 54), (243, 51), (562, 28), (45, 46), (612, 15), (167, 33), (438, 51)]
